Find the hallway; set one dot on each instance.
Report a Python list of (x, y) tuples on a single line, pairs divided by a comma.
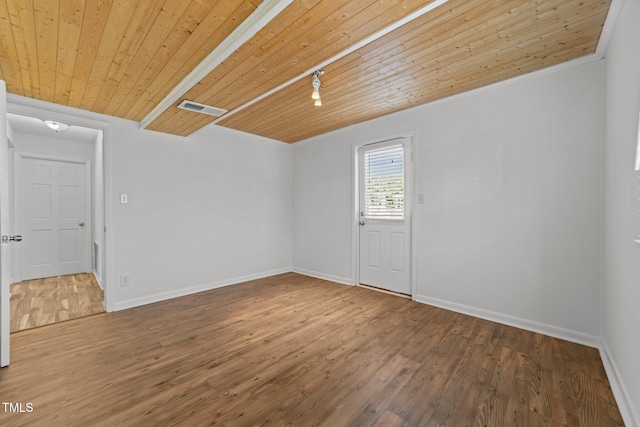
[(41, 302)]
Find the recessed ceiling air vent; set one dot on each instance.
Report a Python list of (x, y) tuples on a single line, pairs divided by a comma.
[(201, 108)]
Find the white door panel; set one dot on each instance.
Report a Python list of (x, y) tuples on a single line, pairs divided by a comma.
[(5, 261), (54, 217), (385, 218), (373, 248), (397, 258), (384, 248)]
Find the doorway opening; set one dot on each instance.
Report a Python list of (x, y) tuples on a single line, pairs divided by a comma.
[(382, 216), (57, 192), (41, 302)]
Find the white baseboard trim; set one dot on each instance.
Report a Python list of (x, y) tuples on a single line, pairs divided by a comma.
[(162, 296), (506, 319), (98, 280), (324, 276), (627, 409)]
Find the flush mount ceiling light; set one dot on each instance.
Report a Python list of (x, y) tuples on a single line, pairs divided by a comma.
[(57, 126), (315, 82)]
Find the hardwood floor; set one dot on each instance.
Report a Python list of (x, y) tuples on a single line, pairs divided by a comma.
[(297, 351), (41, 302)]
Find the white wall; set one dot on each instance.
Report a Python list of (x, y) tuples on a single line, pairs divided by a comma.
[(322, 210), (209, 210), (206, 211), (25, 143), (511, 177), (621, 289)]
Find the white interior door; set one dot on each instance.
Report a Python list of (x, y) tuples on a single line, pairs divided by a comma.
[(5, 261), (55, 213), (385, 218)]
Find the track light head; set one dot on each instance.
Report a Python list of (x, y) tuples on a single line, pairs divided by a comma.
[(315, 83)]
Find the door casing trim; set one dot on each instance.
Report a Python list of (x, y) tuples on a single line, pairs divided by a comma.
[(355, 203), (36, 108)]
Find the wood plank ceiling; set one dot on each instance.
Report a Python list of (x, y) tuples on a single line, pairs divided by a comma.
[(123, 57)]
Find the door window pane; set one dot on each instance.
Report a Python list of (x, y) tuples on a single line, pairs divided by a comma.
[(383, 181)]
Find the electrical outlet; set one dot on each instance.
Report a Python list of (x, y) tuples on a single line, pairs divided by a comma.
[(125, 279), (124, 199)]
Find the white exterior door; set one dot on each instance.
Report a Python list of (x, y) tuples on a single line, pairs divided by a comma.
[(5, 262), (385, 218), (54, 218)]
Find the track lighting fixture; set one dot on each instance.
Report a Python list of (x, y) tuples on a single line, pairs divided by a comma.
[(315, 82)]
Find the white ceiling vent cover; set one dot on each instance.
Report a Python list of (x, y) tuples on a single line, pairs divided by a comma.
[(201, 108)]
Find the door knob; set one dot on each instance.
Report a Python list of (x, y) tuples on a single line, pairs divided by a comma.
[(16, 238), (361, 222), (81, 224)]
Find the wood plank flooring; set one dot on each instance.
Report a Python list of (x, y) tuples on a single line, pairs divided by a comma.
[(297, 351), (41, 302)]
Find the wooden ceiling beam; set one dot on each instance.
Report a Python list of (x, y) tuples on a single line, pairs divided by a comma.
[(191, 122), (124, 58), (219, 22), (394, 101), (406, 43), (345, 52), (307, 53), (160, 49), (183, 42), (363, 89), (285, 53), (462, 44), (267, 10), (246, 56), (425, 59), (324, 119)]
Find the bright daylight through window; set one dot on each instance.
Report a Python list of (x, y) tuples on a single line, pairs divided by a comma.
[(383, 179)]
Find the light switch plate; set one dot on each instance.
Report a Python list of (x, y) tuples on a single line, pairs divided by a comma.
[(124, 198)]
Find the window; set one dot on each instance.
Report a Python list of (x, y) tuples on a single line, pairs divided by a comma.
[(383, 182)]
